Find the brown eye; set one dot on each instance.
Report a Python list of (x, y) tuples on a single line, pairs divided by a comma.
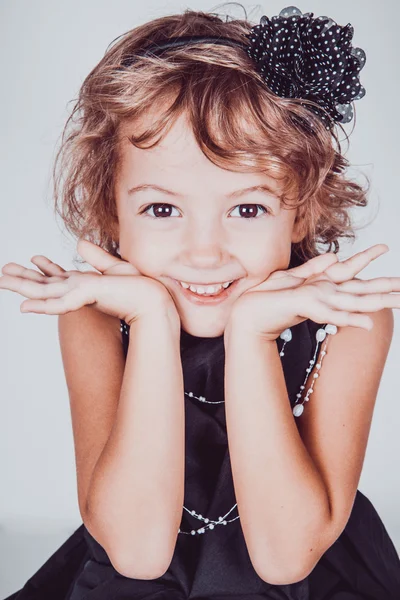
[(160, 210), (249, 211)]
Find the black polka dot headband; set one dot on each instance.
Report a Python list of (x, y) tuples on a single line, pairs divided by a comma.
[(297, 56)]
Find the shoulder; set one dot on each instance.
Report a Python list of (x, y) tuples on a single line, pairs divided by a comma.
[(94, 365), (358, 341), (384, 321), (90, 322), (383, 325), (355, 353), (351, 338)]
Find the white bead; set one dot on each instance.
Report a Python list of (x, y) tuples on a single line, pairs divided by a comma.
[(286, 335), (332, 329), (316, 375), (298, 409), (211, 526), (320, 335)]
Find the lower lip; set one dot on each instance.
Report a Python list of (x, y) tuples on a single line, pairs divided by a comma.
[(197, 299)]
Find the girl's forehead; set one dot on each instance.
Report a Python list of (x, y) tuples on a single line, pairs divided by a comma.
[(178, 162), (176, 150)]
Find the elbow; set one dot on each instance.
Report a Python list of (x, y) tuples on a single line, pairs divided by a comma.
[(129, 567), (145, 561), (149, 558), (291, 564), (287, 575), (138, 557), (285, 572)]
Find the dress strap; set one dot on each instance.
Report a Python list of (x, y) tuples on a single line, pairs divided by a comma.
[(124, 328)]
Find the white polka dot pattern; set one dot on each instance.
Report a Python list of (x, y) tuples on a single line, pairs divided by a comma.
[(302, 57)]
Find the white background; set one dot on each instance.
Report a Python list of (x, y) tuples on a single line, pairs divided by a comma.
[(47, 48)]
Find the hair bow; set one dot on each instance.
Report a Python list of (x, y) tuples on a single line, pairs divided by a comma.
[(299, 56)]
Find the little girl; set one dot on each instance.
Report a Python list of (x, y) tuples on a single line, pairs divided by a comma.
[(222, 369)]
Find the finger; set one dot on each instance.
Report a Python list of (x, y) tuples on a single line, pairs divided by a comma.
[(99, 258), (315, 265), (366, 286), (322, 313), (47, 266), (33, 289), (347, 269), (73, 300), (368, 303), (20, 271)]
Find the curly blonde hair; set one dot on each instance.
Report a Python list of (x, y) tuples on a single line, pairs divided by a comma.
[(237, 121)]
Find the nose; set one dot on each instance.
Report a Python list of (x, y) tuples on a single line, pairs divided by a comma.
[(205, 247)]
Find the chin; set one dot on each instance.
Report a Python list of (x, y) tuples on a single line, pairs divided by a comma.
[(206, 330)]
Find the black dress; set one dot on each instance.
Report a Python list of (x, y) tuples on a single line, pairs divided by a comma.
[(361, 565)]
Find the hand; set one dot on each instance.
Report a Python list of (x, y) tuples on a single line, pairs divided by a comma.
[(322, 289), (117, 289)]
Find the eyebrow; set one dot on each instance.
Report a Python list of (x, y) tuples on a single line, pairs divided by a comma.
[(236, 194)]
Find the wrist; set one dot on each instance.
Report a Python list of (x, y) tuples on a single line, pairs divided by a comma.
[(240, 329), (164, 315)]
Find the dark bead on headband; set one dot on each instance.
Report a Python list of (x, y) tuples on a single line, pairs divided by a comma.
[(297, 56)]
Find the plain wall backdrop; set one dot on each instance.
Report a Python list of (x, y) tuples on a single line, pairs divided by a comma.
[(47, 49)]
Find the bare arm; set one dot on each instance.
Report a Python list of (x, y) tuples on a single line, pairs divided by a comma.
[(127, 415), (136, 493), (295, 488), (281, 497)]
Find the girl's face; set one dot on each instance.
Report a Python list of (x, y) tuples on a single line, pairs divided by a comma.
[(198, 231)]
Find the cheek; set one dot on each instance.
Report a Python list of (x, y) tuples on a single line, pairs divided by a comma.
[(147, 258), (268, 257)]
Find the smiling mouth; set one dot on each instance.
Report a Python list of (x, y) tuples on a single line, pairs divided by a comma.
[(216, 293), (215, 298)]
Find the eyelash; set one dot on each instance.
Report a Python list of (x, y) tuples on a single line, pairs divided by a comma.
[(146, 208)]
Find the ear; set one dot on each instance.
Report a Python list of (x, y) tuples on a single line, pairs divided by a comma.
[(114, 231), (299, 230)]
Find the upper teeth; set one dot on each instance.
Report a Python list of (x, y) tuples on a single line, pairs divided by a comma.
[(209, 289)]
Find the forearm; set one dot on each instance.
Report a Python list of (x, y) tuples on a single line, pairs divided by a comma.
[(282, 500), (136, 492)]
